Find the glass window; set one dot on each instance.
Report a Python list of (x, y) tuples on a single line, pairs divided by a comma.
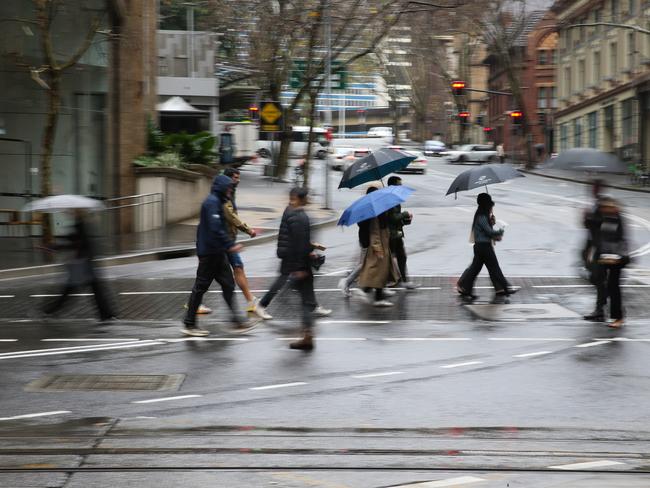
[(631, 50), (628, 121), (553, 56), (631, 7), (541, 97), (542, 57), (577, 132), (613, 59), (553, 96), (567, 81), (598, 17), (564, 137), (592, 120), (614, 10), (596, 74), (582, 75)]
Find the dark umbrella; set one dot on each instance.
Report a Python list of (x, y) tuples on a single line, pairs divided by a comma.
[(482, 176), (375, 166), (587, 159)]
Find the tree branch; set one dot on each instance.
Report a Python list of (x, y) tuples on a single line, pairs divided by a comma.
[(84, 46)]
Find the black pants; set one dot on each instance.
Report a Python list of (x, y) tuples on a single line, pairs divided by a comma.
[(608, 284), (399, 253), (304, 286), (379, 293), (212, 267), (483, 255), (101, 299)]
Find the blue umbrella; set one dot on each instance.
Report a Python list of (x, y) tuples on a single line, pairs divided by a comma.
[(375, 166), (374, 204)]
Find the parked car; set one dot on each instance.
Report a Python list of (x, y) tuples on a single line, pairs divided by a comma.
[(480, 153), (340, 156), (380, 132), (418, 165), (356, 154), (434, 148)]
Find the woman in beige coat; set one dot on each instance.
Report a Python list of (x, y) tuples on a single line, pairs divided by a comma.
[(378, 268)]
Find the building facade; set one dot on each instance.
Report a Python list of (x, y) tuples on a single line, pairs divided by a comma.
[(604, 77)]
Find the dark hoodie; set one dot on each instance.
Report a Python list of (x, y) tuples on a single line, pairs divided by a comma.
[(211, 235)]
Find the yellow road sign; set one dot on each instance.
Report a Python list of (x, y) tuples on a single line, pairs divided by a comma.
[(271, 116)]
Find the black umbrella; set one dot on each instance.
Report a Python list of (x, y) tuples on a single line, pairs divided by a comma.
[(482, 176), (375, 166)]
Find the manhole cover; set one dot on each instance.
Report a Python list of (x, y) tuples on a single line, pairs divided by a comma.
[(522, 311), (106, 382)]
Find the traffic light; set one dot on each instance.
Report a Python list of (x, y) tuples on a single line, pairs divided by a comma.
[(253, 113), (517, 117), (480, 119), (464, 116), (487, 130), (458, 88)]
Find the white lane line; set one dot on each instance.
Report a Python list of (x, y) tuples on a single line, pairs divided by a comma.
[(465, 209), (532, 339), (206, 339), (587, 465), (635, 286), (621, 339), (427, 339), (562, 286), (591, 344), (7, 296), (336, 271), (354, 322), (154, 292), (283, 385), (8, 340), (460, 365), (323, 338), (531, 354), (51, 295), (461, 480), (89, 339), (168, 399), (69, 350), (33, 415), (376, 375)]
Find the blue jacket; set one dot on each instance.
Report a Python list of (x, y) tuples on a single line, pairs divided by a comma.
[(212, 235)]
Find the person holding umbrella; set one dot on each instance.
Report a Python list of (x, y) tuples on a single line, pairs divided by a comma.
[(610, 257), (483, 236), (397, 221)]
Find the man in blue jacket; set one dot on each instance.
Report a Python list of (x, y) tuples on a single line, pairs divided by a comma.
[(212, 247)]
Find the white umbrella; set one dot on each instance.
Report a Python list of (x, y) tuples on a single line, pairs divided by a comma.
[(59, 203)]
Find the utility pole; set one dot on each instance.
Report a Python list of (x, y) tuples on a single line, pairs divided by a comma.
[(328, 92)]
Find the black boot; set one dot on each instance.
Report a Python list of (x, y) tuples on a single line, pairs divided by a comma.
[(305, 344), (595, 316)]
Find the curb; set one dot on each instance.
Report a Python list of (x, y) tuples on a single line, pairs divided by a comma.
[(574, 180), (144, 257)]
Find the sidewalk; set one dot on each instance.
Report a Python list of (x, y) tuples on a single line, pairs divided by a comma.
[(620, 182), (260, 202)]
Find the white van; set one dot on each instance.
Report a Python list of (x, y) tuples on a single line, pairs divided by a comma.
[(299, 139), (380, 132)]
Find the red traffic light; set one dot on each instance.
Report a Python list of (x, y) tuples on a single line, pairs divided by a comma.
[(253, 109), (487, 129), (464, 115), (516, 116), (457, 88)]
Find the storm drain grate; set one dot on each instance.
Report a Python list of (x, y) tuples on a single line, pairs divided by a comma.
[(106, 382)]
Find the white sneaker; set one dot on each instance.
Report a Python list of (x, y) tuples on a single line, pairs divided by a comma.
[(360, 293), (389, 293), (322, 311), (342, 285), (261, 312), (194, 331), (202, 310), (382, 303), (409, 285)]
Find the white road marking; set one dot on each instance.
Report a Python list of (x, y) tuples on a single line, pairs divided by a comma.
[(354, 322), (621, 339), (7, 296), (591, 344), (465, 209), (33, 415), (167, 399), (376, 375), (635, 286), (460, 365), (323, 338), (562, 286), (531, 354), (587, 465), (532, 339), (283, 385), (51, 295), (205, 339), (89, 339), (8, 340), (78, 349), (461, 480), (155, 292), (336, 271), (428, 339)]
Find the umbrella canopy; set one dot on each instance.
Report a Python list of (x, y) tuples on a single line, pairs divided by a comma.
[(374, 204), (482, 176), (59, 203), (375, 166), (587, 159)]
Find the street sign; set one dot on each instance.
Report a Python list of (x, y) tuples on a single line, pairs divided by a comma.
[(271, 116), (338, 79)]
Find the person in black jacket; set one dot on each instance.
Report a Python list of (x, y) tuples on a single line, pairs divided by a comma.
[(295, 251), (611, 255), (397, 219), (212, 245)]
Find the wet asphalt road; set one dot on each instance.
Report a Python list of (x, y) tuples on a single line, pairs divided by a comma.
[(425, 392)]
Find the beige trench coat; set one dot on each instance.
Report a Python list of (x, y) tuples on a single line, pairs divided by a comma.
[(378, 272)]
